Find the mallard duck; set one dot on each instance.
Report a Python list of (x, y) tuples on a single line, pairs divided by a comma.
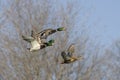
[(68, 56), (45, 33), (37, 44)]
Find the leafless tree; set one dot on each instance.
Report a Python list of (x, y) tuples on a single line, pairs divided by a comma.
[(103, 64), (17, 63)]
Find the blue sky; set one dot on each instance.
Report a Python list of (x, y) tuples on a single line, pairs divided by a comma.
[(104, 20)]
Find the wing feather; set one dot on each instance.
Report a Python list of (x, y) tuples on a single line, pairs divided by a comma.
[(28, 38), (71, 50), (45, 33)]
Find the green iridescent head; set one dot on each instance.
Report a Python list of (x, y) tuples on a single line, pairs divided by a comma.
[(50, 42), (61, 29)]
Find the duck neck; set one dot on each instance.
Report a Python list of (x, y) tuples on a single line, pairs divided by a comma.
[(53, 31), (48, 44), (57, 30)]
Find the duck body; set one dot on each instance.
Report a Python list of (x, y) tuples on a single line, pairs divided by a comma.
[(68, 55), (69, 61), (67, 58), (36, 44)]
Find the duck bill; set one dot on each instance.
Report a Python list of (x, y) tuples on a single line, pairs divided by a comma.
[(64, 29)]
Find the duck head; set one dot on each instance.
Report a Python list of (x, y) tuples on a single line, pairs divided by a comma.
[(61, 29), (50, 42)]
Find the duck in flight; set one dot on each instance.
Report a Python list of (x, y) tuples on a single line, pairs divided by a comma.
[(68, 55), (36, 43)]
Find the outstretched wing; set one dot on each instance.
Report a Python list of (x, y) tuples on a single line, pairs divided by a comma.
[(33, 33), (64, 56), (45, 33), (71, 50), (27, 38)]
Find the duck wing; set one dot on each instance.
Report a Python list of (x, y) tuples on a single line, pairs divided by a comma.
[(45, 33), (27, 38), (33, 33), (71, 50)]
